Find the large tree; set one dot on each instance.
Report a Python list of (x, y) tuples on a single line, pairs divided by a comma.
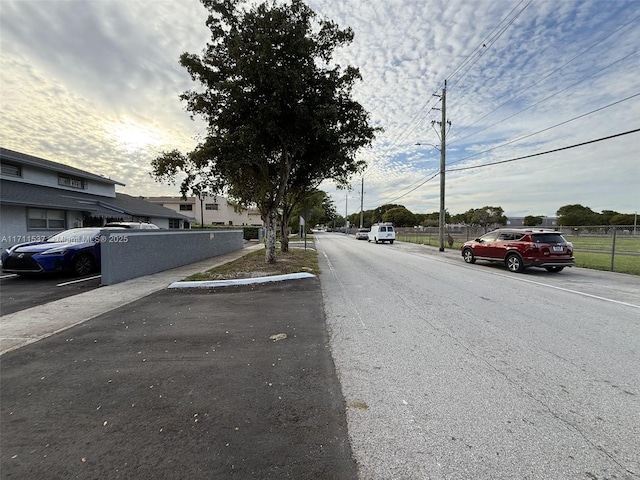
[(377, 214), (532, 220), (576, 214), (623, 219), (312, 209), (280, 116), (486, 216), (400, 217)]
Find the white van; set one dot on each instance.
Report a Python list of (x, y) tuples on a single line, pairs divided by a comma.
[(382, 232)]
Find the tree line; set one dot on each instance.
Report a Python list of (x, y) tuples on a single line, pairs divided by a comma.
[(400, 216)]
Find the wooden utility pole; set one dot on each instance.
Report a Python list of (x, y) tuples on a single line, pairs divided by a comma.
[(361, 201), (443, 154)]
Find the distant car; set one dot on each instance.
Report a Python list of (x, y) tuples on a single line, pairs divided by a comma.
[(75, 251), (362, 234), (519, 249), (133, 225)]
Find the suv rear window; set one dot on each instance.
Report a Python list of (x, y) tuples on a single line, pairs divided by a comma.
[(510, 236), (548, 238)]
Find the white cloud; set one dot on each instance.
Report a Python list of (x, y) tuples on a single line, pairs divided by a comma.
[(96, 84)]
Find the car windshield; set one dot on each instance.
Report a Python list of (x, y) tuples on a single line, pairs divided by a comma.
[(548, 238), (74, 236)]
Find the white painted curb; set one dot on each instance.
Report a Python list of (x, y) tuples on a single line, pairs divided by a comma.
[(240, 281)]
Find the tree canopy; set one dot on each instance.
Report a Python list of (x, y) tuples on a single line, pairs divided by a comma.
[(532, 220), (576, 214), (568, 215), (280, 116), (400, 216), (317, 208), (485, 216)]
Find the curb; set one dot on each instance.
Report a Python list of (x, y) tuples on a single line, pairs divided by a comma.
[(240, 281)]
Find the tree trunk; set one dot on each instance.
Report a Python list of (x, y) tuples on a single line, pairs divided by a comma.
[(284, 233), (270, 240)]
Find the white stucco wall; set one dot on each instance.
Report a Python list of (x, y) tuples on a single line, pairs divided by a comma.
[(14, 226), (222, 216), (48, 178)]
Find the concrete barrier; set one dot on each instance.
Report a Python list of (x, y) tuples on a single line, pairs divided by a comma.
[(134, 253)]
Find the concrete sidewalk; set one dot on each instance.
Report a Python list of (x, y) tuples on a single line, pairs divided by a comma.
[(233, 382)]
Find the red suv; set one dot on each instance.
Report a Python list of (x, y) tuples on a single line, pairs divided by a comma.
[(519, 249)]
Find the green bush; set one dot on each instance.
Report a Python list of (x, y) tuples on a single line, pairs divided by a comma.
[(250, 233)]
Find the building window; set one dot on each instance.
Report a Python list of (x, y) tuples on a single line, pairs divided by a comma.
[(41, 219), (211, 206), (174, 223), (11, 170), (73, 182), (186, 207)]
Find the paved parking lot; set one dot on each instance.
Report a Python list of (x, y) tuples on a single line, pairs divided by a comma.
[(18, 293), (226, 383)]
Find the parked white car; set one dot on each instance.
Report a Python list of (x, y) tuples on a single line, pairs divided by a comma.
[(133, 225), (362, 234)]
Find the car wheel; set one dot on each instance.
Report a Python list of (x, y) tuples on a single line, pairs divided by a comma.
[(391, 242), (83, 265), (514, 263), (468, 256), (554, 269)]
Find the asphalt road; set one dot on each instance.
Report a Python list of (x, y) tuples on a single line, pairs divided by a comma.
[(456, 371), (21, 292)]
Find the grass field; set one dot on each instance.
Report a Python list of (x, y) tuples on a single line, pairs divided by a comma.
[(624, 244), (602, 261), (590, 252)]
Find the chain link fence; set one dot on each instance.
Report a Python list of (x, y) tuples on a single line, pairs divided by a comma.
[(601, 247)]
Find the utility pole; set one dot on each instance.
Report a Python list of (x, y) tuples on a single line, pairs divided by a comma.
[(361, 201), (443, 155), (346, 209)]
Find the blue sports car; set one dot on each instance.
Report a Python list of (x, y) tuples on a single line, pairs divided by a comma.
[(75, 251)]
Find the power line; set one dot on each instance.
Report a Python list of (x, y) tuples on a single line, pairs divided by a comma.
[(414, 189), (546, 129), (540, 80), (460, 169), (489, 42), (546, 152), (403, 134), (546, 98)]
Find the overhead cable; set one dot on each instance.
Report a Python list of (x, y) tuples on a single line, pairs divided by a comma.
[(544, 153)]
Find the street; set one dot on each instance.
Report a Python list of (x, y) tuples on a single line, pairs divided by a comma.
[(463, 371)]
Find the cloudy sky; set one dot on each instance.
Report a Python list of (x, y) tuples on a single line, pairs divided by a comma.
[(95, 84)]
